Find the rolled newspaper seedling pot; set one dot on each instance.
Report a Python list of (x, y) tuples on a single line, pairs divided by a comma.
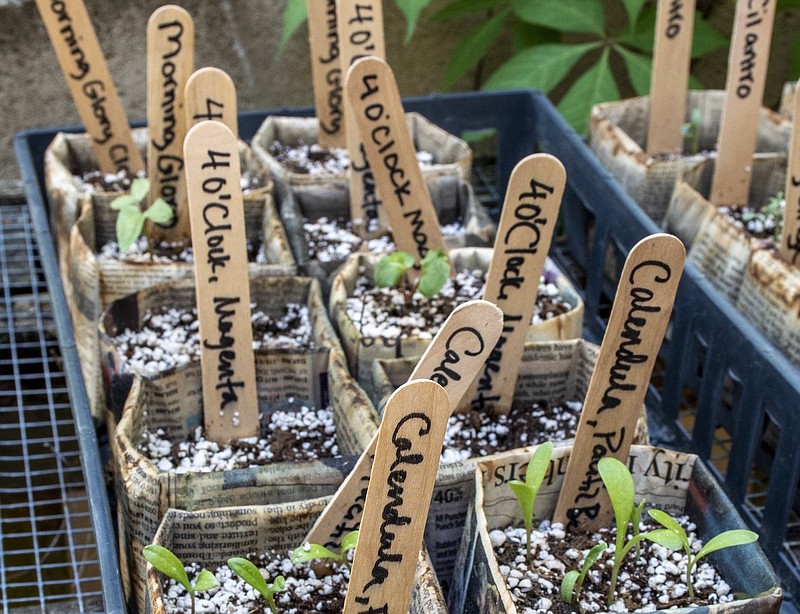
[(451, 156), (671, 481), (770, 297), (550, 371), (721, 247), (361, 349), (279, 527), (618, 135), (453, 198)]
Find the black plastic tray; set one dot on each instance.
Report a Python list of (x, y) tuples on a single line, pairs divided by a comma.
[(721, 389)]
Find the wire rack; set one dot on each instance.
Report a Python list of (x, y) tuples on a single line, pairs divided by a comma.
[(48, 553)]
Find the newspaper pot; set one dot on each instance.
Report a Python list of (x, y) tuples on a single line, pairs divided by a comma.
[(618, 136), (674, 482), (552, 371), (452, 197), (721, 248), (361, 351), (144, 492), (222, 537), (280, 373), (786, 106), (770, 298)]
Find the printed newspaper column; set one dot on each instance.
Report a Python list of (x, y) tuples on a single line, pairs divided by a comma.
[(530, 212), (744, 92), (380, 120), (670, 78), (790, 237), (326, 71), (452, 360), (170, 62), (361, 35), (216, 210), (93, 92), (639, 318), (211, 95), (399, 494)]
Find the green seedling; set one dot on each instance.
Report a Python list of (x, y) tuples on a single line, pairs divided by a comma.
[(251, 574), (691, 132), (131, 218), (772, 210), (434, 273), (526, 491), (311, 552), (728, 539), (636, 520), (573, 580), (167, 563)]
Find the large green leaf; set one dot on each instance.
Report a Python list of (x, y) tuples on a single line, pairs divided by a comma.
[(640, 69), (411, 9), (633, 8), (795, 59), (294, 15), (524, 35), (465, 7), (706, 39), (540, 67), (563, 15), (474, 46), (595, 85)]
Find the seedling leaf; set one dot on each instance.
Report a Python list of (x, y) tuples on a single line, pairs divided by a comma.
[(349, 542), (392, 268), (568, 585), (125, 200), (139, 189), (525, 497), (666, 521), (168, 564), (304, 554), (537, 466), (205, 581), (666, 538), (736, 537), (248, 572), (619, 484), (159, 212), (435, 272), (130, 222)]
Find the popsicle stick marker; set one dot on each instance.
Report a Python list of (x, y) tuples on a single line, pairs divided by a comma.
[(326, 71), (399, 495), (89, 80), (211, 95), (790, 238), (381, 123), (639, 318), (170, 62), (530, 213), (670, 78), (452, 360), (216, 210), (744, 92), (361, 35)]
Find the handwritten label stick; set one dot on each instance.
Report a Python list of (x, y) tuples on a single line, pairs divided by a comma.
[(89, 80), (452, 360), (790, 238), (326, 71), (529, 217), (398, 498), (744, 92), (216, 210), (639, 318), (170, 62), (361, 35), (381, 122), (670, 78), (211, 95)]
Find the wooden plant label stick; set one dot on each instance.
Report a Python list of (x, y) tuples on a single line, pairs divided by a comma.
[(621, 375), (381, 122), (398, 498), (452, 360), (790, 237), (211, 95), (326, 71), (170, 62), (670, 78), (360, 35), (529, 217), (93, 92), (744, 92), (216, 210)]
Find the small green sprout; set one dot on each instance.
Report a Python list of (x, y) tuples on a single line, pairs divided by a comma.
[(636, 520), (131, 218), (772, 210), (526, 491), (248, 572), (573, 580), (435, 270), (691, 131), (310, 552), (167, 563), (736, 537)]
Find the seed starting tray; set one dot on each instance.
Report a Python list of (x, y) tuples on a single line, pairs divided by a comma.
[(720, 389)]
